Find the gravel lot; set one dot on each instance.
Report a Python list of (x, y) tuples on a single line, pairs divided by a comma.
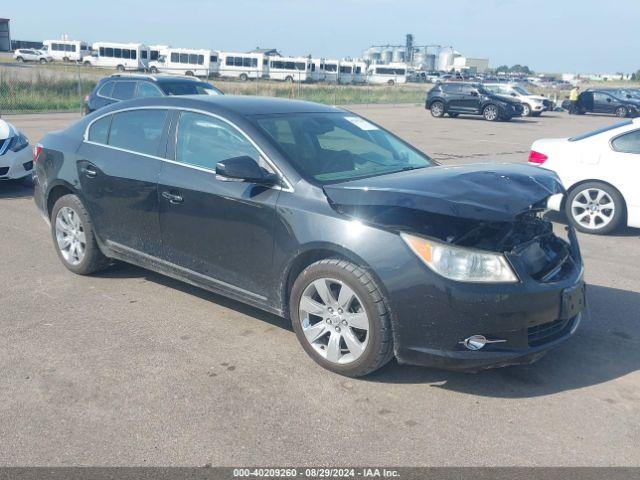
[(131, 368)]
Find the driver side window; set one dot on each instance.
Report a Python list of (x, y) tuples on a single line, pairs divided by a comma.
[(203, 141)]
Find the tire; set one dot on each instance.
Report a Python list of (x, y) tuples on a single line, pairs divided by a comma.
[(622, 112), (189, 73), (491, 113), (592, 218), (87, 64), (244, 77), (526, 110), (43, 61), (65, 59), (289, 79), (453, 114), (19, 59), (120, 68), (391, 83), (437, 109), (338, 346), (153, 70), (73, 214)]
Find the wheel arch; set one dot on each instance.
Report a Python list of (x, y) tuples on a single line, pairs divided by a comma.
[(313, 253), (55, 192)]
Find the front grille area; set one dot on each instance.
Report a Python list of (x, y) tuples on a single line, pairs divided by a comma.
[(546, 332), (4, 171)]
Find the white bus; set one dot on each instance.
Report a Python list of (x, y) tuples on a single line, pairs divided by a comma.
[(331, 69), (290, 69), (66, 50), (351, 71), (242, 65), (122, 56), (389, 74), (317, 70), (183, 61)]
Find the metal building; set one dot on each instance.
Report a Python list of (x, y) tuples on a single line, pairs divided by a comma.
[(5, 36)]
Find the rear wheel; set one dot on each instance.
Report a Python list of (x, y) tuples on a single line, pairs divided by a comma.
[(244, 77), (65, 59), (595, 207), (340, 318), (87, 64), (74, 238), (621, 112), (391, 83), (120, 68), (43, 60), (491, 113), (153, 70), (189, 73), (437, 109), (289, 79), (19, 59)]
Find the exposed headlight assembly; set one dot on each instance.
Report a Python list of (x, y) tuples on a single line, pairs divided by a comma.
[(18, 142), (461, 264)]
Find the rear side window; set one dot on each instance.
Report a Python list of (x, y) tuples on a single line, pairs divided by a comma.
[(203, 141), (106, 90), (138, 130), (451, 88), (627, 143), (123, 90), (99, 131)]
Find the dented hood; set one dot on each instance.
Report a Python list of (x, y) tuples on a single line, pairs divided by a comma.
[(489, 192)]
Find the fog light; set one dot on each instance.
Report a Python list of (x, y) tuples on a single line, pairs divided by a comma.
[(476, 342)]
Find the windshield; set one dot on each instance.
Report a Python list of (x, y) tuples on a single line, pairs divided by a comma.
[(334, 147), (189, 88), (521, 91)]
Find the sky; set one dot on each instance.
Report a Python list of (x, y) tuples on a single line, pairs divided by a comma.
[(547, 35)]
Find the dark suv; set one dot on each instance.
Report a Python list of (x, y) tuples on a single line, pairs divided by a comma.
[(613, 102), (470, 98), (118, 87)]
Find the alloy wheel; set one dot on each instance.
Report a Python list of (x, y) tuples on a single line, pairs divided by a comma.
[(70, 235), (490, 113), (526, 110), (437, 109), (593, 208), (334, 320), (621, 112)]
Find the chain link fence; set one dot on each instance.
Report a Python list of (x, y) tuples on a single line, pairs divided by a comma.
[(34, 87)]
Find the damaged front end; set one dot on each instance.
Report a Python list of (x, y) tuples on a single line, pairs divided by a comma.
[(498, 214)]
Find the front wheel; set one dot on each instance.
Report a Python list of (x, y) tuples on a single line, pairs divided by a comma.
[(19, 59), (153, 70), (341, 318), (595, 207), (621, 112), (526, 110), (437, 109), (74, 238), (391, 83), (43, 61), (243, 77), (491, 113), (120, 68)]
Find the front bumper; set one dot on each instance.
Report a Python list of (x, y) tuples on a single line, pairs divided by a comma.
[(15, 165), (432, 317)]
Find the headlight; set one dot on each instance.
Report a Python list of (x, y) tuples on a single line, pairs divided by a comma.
[(18, 142), (461, 264)]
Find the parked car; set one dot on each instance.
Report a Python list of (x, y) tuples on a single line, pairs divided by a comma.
[(600, 171), (316, 214), (119, 87), (532, 105), (470, 99), (605, 101), (31, 55), (15, 158)]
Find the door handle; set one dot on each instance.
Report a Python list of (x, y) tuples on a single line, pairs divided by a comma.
[(172, 197), (89, 171)]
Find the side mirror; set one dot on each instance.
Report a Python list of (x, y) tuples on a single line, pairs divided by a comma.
[(245, 169), (474, 93)]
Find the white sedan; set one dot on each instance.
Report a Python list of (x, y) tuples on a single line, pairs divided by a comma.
[(601, 173), (15, 158)]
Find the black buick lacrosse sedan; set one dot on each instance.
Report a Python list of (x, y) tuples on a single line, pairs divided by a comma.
[(311, 212)]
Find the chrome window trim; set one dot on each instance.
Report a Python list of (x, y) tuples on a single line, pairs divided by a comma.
[(288, 187)]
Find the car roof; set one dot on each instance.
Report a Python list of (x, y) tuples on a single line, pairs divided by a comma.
[(238, 104)]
